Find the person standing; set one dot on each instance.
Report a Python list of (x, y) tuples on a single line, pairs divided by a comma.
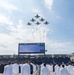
[(15, 68), (44, 70), (26, 69), (63, 71), (8, 69), (57, 69)]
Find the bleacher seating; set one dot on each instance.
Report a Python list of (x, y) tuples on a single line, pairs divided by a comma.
[(37, 60)]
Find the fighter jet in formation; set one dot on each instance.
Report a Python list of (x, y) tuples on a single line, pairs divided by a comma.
[(28, 23), (37, 16), (33, 20), (46, 23), (42, 19), (38, 20), (37, 23)]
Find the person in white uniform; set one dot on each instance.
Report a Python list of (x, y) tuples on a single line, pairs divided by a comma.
[(70, 69), (50, 68), (8, 69), (44, 70), (63, 71), (15, 68), (25, 69), (57, 69), (42, 65)]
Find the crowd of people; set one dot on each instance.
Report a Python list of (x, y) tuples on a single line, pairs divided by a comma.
[(23, 68), (31, 68), (57, 69)]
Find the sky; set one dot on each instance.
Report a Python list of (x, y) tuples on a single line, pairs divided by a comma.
[(58, 35)]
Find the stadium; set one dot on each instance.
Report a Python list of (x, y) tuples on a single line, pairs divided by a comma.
[(33, 60), (58, 58), (34, 53), (36, 37)]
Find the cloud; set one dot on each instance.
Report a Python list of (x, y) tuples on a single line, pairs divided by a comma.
[(24, 34), (2, 45), (31, 33), (8, 6), (55, 47), (21, 34), (36, 11), (48, 3), (5, 20), (60, 45)]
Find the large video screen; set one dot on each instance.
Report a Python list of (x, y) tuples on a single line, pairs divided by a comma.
[(31, 48)]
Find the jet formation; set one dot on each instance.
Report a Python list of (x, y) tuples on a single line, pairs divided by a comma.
[(38, 20)]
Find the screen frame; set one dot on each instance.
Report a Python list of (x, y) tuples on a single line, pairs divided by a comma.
[(30, 52)]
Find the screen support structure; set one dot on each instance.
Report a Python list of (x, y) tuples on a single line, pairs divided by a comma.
[(30, 54)]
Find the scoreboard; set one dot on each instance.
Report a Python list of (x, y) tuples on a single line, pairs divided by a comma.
[(31, 48)]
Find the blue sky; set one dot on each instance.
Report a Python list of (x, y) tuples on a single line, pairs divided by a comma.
[(58, 35)]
